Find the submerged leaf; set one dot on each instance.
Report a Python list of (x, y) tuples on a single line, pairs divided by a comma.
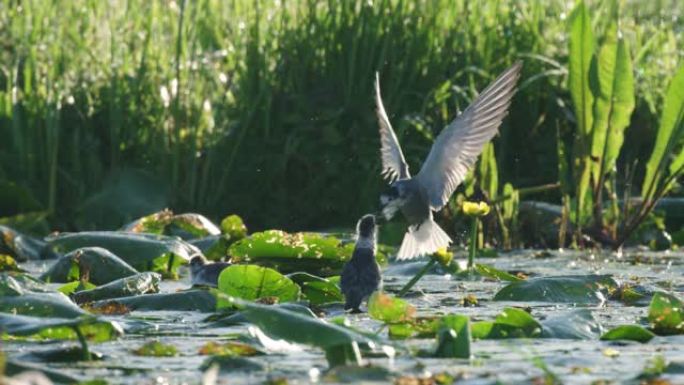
[(580, 289), (389, 309), (492, 272), (666, 314), (629, 333), (92, 328), (156, 349), (253, 282), (230, 348), (99, 266)]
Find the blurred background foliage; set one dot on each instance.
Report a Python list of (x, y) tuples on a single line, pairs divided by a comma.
[(110, 110)]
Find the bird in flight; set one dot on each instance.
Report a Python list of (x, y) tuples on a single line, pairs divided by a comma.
[(451, 157)]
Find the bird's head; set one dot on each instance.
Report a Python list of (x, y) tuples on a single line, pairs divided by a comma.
[(197, 262), (366, 226)]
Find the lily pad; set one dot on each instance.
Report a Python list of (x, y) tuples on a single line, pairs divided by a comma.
[(310, 252), (577, 324), (253, 282), (234, 227), (92, 328), (629, 333), (317, 290), (453, 337), (99, 266), (142, 283), (510, 323), (389, 309), (25, 297), (214, 247), (666, 314), (7, 263), (72, 287), (141, 251), (580, 289), (156, 349), (491, 272), (190, 300), (21, 246)]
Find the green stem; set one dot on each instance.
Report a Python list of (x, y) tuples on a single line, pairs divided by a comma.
[(416, 278), (84, 343), (473, 243)]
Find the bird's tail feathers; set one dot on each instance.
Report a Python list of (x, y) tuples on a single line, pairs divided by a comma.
[(423, 239)]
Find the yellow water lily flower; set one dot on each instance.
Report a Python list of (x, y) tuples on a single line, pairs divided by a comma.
[(476, 209), (443, 256)]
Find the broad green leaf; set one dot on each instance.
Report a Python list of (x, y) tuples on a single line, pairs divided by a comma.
[(186, 226), (233, 226), (12, 284), (22, 295), (577, 324), (156, 349), (142, 283), (580, 289), (97, 265), (666, 314), (453, 337), (214, 247), (141, 251), (581, 57), (190, 300), (22, 247), (317, 290), (279, 323), (253, 282), (310, 252), (92, 328), (510, 323), (629, 333), (614, 103), (386, 308), (72, 287), (670, 134), (492, 272)]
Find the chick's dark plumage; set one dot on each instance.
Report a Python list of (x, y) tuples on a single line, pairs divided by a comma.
[(204, 273), (361, 274)]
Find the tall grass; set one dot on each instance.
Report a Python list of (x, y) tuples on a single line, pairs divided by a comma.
[(109, 109)]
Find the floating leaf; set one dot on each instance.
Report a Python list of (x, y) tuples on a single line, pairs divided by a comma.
[(142, 283), (72, 287), (191, 300), (666, 314), (629, 333), (156, 349), (587, 289), (309, 252), (98, 265), (491, 272), (214, 247), (233, 226), (317, 290), (22, 247), (7, 263), (576, 324), (453, 337), (510, 323), (93, 328), (23, 296), (230, 348), (389, 309), (232, 364), (142, 251), (253, 282)]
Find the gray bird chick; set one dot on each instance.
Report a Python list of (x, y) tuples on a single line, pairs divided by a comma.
[(205, 273), (361, 274), (451, 157)]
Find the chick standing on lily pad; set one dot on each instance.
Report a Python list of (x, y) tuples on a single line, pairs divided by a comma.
[(204, 273), (361, 274)]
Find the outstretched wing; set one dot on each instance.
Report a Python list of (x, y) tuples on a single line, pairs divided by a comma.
[(457, 147), (393, 163)]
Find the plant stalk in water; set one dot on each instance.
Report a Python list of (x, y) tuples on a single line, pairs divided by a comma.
[(416, 277), (84, 344), (473, 242)]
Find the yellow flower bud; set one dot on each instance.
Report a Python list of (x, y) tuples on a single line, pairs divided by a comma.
[(476, 209), (443, 256)]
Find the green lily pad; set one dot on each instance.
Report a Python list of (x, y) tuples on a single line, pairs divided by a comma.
[(156, 349), (141, 251), (253, 282), (279, 323), (20, 283), (386, 308), (510, 323), (233, 226), (21, 246), (99, 266), (453, 337), (309, 252), (577, 324), (231, 364), (72, 287), (93, 328), (142, 283), (214, 247), (666, 314), (190, 300), (491, 272), (317, 290), (629, 333), (585, 289), (186, 226), (25, 297)]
